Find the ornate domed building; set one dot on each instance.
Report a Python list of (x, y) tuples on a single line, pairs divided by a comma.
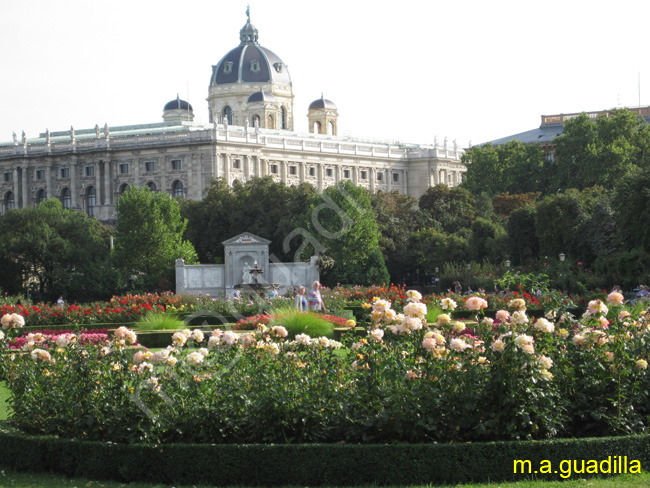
[(251, 134), (251, 83)]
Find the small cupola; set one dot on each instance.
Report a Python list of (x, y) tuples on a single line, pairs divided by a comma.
[(323, 117)]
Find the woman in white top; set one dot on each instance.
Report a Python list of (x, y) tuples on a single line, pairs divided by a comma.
[(314, 298)]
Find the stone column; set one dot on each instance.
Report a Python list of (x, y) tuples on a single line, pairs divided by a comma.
[(389, 179), (97, 182), (337, 173), (215, 163), (303, 171), (321, 177), (48, 178), (355, 174), (246, 163), (136, 171), (284, 167), (372, 175), (74, 182), (25, 195), (199, 176), (190, 174), (226, 167), (108, 200), (16, 187)]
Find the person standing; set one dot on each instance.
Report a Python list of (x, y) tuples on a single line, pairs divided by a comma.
[(314, 298), (301, 301)]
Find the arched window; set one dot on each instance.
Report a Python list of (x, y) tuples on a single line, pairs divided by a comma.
[(330, 128), (41, 196), (123, 188), (283, 117), (8, 203), (66, 198), (177, 189), (271, 123), (152, 186), (227, 114), (91, 201), (316, 128)]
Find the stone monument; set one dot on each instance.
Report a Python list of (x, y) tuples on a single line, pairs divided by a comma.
[(247, 267)]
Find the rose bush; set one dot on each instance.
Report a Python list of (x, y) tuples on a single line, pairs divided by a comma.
[(402, 381)]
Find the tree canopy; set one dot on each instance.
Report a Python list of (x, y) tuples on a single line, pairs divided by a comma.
[(344, 224), (55, 251), (149, 237)]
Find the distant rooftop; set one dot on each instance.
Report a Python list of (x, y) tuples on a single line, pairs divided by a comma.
[(553, 126)]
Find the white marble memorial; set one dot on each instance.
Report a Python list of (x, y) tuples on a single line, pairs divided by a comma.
[(246, 261)]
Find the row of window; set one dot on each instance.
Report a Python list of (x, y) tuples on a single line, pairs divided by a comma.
[(227, 115), (329, 172), (149, 166), (90, 198), (254, 66)]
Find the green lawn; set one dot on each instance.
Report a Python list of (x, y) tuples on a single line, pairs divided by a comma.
[(28, 480), (4, 407)]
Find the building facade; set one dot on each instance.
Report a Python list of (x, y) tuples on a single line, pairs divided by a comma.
[(251, 134)]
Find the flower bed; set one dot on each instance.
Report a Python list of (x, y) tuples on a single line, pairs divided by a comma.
[(48, 338), (509, 377)]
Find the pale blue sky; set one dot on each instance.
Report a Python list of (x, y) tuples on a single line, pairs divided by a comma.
[(406, 70)]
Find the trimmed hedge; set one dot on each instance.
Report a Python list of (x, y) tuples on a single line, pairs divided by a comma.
[(306, 465)]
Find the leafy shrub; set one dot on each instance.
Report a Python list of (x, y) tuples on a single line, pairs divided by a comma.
[(159, 321), (308, 323)]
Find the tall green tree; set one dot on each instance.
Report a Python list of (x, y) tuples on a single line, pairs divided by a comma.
[(344, 224), (510, 168), (523, 243), (488, 241), (632, 206), (149, 238), (601, 151), (398, 216), (579, 224), (432, 248), (55, 251), (453, 208)]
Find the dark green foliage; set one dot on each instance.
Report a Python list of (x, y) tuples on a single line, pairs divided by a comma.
[(398, 216), (432, 248), (454, 208), (579, 224), (262, 206), (58, 251), (488, 241), (632, 205), (522, 235), (511, 168), (600, 152), (344, 225), (311, 465)]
